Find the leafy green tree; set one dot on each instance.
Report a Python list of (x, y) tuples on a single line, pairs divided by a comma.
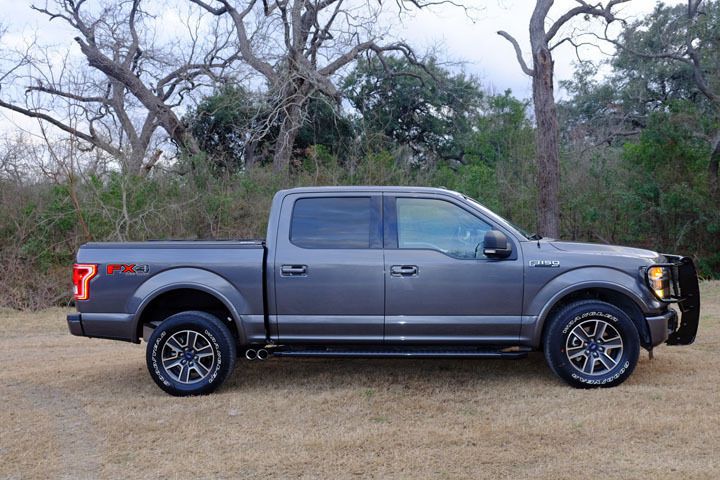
[(223, 124), (498, 166), (430, 110), (658, 114), (668, 181), (236, 128), (672, 55)]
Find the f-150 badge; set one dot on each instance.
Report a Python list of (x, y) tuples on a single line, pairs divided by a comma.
[(545, 263)]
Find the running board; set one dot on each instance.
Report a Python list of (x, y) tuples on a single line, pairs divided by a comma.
[(402, 352)]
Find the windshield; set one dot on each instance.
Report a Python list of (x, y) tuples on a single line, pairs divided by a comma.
[(521, 231)]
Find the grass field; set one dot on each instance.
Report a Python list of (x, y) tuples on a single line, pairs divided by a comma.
[(80, 408)]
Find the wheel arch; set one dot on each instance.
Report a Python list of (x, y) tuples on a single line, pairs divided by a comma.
[(614, 297), (176, 290), (619, 295)]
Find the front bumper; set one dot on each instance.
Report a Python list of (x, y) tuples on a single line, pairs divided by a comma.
[(662, 326)]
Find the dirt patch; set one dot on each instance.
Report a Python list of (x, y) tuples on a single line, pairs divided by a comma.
[(79, 408)]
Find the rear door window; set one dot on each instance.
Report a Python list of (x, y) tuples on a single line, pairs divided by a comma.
[(333, 222)]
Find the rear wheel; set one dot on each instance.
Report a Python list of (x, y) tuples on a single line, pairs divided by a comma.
[(190, 353), (592, 344)]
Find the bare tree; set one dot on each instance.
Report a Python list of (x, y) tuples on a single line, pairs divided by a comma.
[(542, 42), (129, 88), (317, 39)]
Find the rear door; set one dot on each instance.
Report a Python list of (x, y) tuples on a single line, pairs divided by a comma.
[(440, 288), (328, 269)]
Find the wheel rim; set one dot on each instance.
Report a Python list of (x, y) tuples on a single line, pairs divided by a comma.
[(594, 347), (188, 356)]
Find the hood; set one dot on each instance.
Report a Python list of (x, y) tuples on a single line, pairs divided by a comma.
[(602, 249)]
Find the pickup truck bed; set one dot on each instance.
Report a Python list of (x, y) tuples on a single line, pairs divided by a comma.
[(172, 265)]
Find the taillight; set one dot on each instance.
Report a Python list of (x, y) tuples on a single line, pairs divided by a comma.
[(82, 274)]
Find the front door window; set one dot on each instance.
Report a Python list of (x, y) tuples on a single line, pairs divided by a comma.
[(425, 223)]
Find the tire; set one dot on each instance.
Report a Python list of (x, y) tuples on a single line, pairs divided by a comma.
[(190, 353), (592, 344)]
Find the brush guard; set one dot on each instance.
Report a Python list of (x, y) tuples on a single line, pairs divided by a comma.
[(684, 291)]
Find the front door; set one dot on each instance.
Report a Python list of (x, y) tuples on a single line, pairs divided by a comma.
[(328, 269), (440, 288)]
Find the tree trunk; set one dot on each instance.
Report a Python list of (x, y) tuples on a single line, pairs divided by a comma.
[(176, 129), (547, 135), (132, 162), (286, 139), (713, 169), (250, 153), (548, 151)]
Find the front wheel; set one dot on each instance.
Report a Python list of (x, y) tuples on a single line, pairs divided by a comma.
[(190, 353), (592, 344)]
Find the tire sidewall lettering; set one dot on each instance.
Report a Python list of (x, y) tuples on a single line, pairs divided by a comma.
[(604, 380), (218, 353), (588, 316), (156, 367)]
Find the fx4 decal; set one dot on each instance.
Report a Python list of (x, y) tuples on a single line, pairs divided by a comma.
[(131, 268)]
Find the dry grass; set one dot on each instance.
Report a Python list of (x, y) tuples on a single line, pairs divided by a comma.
[(78, 408)]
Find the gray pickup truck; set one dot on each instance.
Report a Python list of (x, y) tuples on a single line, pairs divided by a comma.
[(383, 272)]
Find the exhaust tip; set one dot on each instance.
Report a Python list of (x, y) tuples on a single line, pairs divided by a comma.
[(251, 354), (262, 354)]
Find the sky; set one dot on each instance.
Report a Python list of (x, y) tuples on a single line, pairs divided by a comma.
[(467, 38), (490, 57)]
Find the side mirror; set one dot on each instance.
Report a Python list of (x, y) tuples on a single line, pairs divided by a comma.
[(496, 245)]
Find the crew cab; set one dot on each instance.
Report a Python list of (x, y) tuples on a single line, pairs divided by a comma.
[(383, 272)]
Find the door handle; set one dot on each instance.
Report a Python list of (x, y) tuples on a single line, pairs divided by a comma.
[(404, 270), (293, 270)]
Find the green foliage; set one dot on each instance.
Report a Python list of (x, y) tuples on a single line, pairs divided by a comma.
[(496, 131), (55, 221), (234, 127), (668, 168), (325, 127), (221, 123), (430, 110), (653, 81)]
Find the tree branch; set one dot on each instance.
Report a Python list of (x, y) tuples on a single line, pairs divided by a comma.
[(91, 139), (583, 9), (244, 43), (68, 95), (528, 71)]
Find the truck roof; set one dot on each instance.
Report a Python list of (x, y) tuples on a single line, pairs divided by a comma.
[(398, 189), (372, 188)]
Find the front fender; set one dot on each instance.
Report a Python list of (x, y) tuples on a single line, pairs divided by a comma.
[(576, 280), (192, 278)]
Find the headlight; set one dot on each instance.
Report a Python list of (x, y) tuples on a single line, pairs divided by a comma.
[(659, 280)]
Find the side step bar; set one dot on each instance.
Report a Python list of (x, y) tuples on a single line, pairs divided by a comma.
[(404, 352)]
